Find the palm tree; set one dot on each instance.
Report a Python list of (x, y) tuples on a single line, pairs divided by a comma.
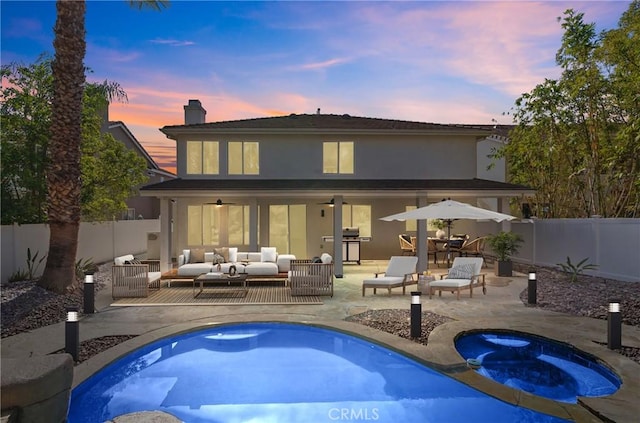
[(63, 173)]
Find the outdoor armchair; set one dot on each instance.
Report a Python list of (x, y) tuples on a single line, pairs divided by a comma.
[(407, 245), (311, 278)]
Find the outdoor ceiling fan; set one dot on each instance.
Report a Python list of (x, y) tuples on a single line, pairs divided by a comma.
[(331, 203), (220, 203)]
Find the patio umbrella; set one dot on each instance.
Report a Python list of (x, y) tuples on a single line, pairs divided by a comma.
[(449, 210)]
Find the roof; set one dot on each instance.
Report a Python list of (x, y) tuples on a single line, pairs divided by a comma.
[(325, 122), (187, 187), (151, 163)]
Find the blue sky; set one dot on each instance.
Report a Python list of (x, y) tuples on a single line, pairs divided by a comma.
[(444, 62)]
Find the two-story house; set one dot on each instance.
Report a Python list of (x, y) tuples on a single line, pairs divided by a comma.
[(294, 182)]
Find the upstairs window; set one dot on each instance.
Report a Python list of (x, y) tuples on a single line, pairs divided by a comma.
[(337, 157), (244, 158), (203, 157)]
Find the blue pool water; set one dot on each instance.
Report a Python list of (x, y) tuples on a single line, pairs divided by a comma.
[(538, 366), (279, 372)]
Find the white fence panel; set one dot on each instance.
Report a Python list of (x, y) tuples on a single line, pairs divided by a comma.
[(100, 242), (611, 244)]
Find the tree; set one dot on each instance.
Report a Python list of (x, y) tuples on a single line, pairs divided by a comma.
[(108, 169), (63, 172), (25, 116), (576, 139), (110, 172)]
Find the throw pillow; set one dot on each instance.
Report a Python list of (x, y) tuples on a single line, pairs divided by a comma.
[(186, 254), (268, 254), (224, 252), (217, 259), (461, 271), (233, 254), (197, 255), (326, 258)]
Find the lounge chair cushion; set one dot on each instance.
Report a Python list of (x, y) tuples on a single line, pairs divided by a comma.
[(462, 271), (384, 281), (450, 283)]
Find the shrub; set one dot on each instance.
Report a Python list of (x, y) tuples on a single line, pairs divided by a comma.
[(505, 244), (576, 270)]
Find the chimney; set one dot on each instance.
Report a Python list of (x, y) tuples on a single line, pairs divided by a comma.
[(318, 111), (194, 113)]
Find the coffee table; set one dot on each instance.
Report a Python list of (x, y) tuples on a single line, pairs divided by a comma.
[(220, 282)]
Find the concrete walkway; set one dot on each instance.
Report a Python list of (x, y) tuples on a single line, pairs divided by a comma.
[(499, 308)]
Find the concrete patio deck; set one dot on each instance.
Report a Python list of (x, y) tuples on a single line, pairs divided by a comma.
[(500, 308)]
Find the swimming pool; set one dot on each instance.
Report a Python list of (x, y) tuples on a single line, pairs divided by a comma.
[(537, 365), (282, 372)]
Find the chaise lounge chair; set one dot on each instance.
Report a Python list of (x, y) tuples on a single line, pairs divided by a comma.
[(464, 274), (400, 272)]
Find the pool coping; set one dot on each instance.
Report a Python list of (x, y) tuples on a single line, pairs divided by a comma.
[(441, 354)]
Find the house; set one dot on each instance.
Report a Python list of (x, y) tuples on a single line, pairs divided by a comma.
[(138, 206), (295, 182)]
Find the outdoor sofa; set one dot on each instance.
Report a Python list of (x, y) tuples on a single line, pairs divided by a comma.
[(196, 261)]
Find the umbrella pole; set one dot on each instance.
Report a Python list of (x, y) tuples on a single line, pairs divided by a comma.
[(448, 241)]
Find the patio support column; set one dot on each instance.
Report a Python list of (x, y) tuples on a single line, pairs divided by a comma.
[(165, 234), (337, 236), (503, 207), (253, 224), (421, 237)]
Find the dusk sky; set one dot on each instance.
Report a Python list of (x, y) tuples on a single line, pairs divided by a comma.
[(427, 61)]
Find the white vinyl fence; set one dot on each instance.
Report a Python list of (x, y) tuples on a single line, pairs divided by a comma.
[(611, 244), (100, 242)]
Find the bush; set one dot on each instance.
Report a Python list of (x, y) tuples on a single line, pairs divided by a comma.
[(505, 244)]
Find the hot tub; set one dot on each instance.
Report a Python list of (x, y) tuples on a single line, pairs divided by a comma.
[(537, 365)]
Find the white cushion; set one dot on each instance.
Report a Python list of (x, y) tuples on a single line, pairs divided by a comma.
[(208, 257), (187, 255), (242, 256), (154, 276), (268, 254), (450, 283), (400, 266), (462, 271), (254, 257), (233, 254), (119, 261), (384, 281), (261, 269), (194, 269), (284, 262), (326, 258)]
